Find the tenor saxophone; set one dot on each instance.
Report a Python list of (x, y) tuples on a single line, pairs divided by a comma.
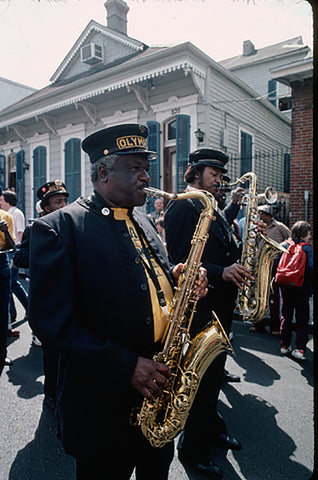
[(164, 418), (258, 253)]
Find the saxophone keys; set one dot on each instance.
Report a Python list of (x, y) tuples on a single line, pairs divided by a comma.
[(189, 379), (181, 402)]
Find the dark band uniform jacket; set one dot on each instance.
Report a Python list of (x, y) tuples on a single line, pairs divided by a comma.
[(21, 256), (104, 320), (222, 249)]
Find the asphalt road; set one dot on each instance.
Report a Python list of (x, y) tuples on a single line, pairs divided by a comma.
[(270, 411)]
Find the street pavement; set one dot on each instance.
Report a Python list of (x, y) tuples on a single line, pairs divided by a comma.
[(270, 411)]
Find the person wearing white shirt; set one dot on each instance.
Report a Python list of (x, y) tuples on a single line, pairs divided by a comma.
[(8, 202)]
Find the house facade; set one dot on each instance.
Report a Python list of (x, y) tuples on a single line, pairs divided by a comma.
[(185, 98), (253, 66)]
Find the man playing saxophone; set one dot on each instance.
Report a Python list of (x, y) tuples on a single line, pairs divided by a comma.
[(109, 278), (205, 425)]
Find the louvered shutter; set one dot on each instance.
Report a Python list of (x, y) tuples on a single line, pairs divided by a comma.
[(153, 142), (246, 152), (183, 149), (3, 171), (39, 172), (72, 154), (20, 179)]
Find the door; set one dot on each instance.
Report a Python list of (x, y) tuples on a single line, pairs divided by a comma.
[(169, 166)]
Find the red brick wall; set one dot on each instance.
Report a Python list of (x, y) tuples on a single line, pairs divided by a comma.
[(301, 162)]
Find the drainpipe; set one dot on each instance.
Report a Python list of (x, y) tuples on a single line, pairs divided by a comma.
[(306, 197)]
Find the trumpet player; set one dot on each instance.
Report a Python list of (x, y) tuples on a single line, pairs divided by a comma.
[(104, 313), (205, 426)]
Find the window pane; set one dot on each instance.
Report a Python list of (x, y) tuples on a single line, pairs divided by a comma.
[(172, 130)]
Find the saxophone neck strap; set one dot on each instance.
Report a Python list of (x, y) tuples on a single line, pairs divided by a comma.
[(151, 271)]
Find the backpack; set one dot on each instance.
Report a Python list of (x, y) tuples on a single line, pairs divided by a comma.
[(292, 265)]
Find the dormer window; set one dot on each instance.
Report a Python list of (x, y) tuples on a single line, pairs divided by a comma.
[(91, 53)]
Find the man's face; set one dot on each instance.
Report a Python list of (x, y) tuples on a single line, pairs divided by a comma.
[(123, 186), (265, 217), (3, 204), (57, 201), (158, 204), (211, 179)]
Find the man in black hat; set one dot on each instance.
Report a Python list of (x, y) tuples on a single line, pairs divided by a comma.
[(205, 425), (53, 196), (109, 269)]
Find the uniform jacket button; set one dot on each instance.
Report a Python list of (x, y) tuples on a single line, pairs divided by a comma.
[(144, 287), (137, 260), (148, 320)]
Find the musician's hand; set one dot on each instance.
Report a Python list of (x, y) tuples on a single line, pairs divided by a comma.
[(150, 377), (177, 269), (261, 227), (237, 274), (3, 226), (201, 284), (237, 194)]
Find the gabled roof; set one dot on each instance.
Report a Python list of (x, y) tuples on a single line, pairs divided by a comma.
[(153, 63), (93, 26), (285, 48)]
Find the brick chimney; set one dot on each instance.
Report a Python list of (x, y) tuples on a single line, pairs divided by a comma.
[(248, 48), (117, 15)]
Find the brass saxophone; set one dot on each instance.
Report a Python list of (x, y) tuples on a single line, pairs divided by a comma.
[(164, 418), (257, 256)]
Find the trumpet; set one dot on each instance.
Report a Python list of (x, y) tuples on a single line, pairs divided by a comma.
[(270, 194)]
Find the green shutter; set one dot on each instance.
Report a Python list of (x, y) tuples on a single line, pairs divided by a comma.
[(39, 172), (183, 149), (153, 142), (246, 152), (3, 171), (72, 156), (20, 179)]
